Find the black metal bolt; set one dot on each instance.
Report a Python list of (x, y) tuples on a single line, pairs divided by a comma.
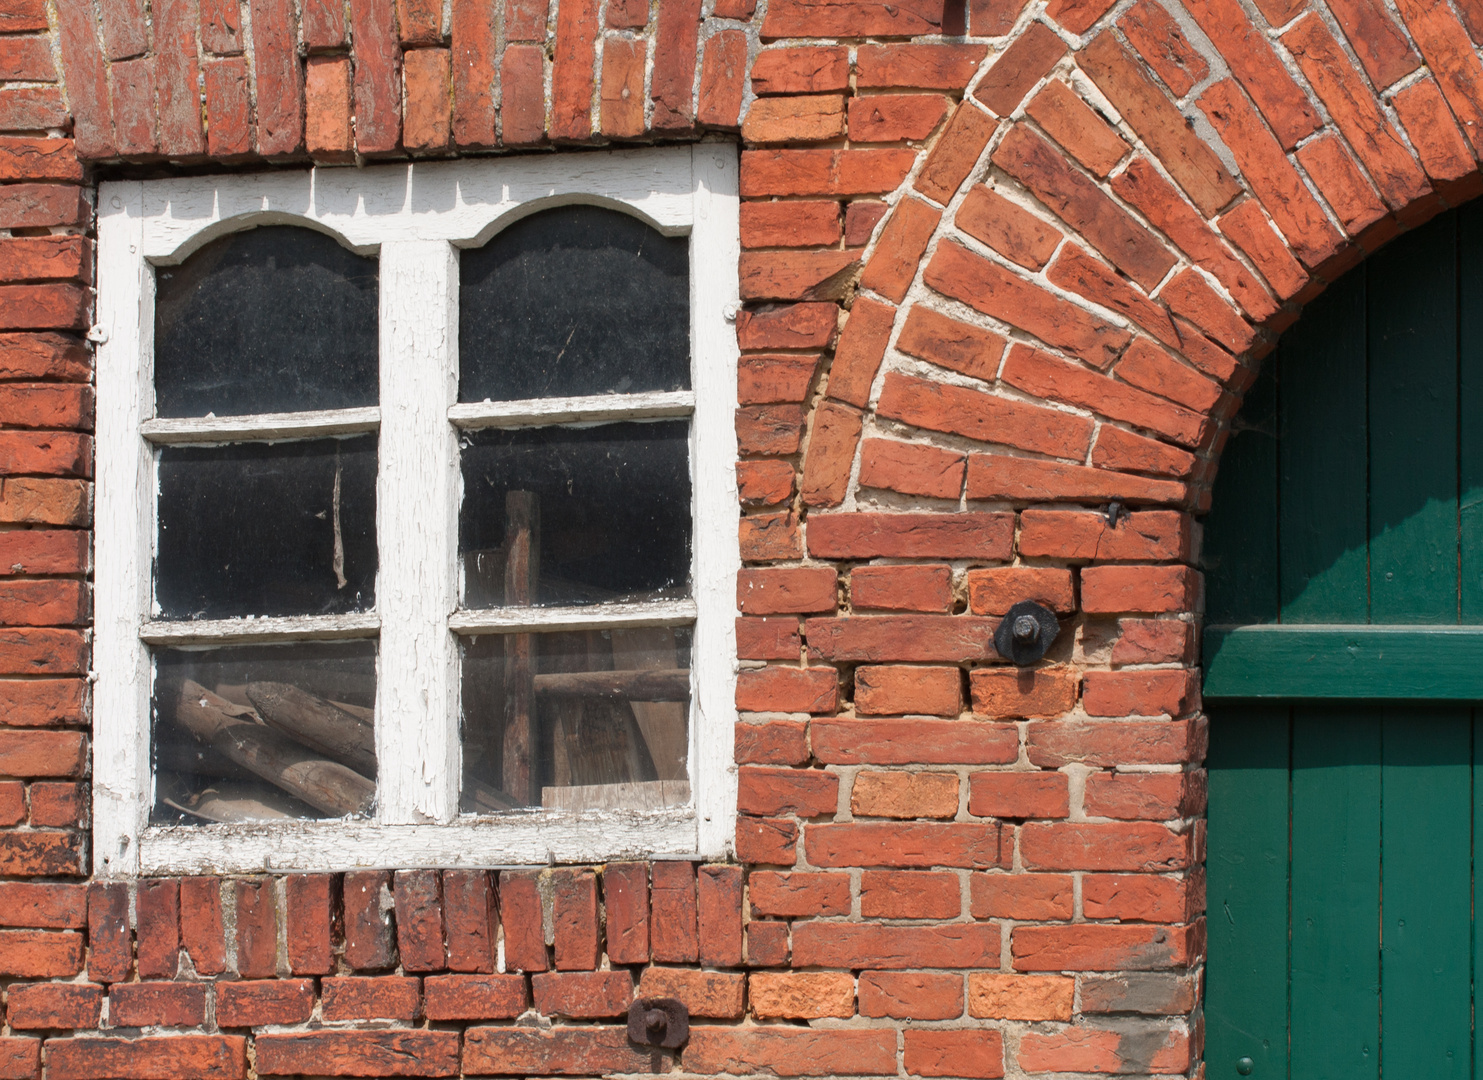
[(1026, 633), (1026, 629)]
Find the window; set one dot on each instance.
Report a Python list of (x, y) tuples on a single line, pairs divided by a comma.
[(416, 514)]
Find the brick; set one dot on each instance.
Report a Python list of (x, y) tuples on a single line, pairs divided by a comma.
[(719, 902), (1141, 693), (924, 67), (35, 206), (310, 914), (428, 105), (1078, 16), (767, 944), (763, 537), (862, 344), (1150, 368), (42, 753), (1094, 947), (575, 1051), (1345, 188), (378, 96), (1072, 534), (790, 1051), (522, 95), (993, 290), (1454, 64), (804, 118), (419, 21), (954, 1053), (911, 995), (157, 904), (778, 689), (473, 997), (798, 895), (764, 483), (627, 15), (12, 802), (373, 1053), (370, 942), (24, 500), (419, 920), (40, 651), (1440, 146), (201, 924), (622, 87), (1073, 123), (471, 920), (1155, 34), (850, 18), (970, 845), (526, 20), (228, 132), (87, 87), (1021, 896), (993, 996), (265, 1001), (880, 118), (44, 1006), (1138, 846), (1077, 270), (797, 275), (956, 152), (1249, 230), (209, 1057), (520, 917), (23, 158), (1376, 39), (578, 932), (912, 469), (1153, 993), (26, 59), (59, 805), (626, 899), (913, 742), (177, 74), (1113, 744), (808, 69), (1145, 109), (777, 742), (1027, 60), (673, 75), (905, 795), (158, 1003), (902, 588), (909, 638), (583, 995), (766, 840), (378, 997), (910, 894), (1019, 795), (958, 410), (897, 690), (801, 995), (772, 791), (800, 223), (995, 591), (32, 108), (1136, 898), (22, 16), (780, 591), (993, 18), (279, 98), (710, 994), (1160, 1049), (672, 924), (322, 24), (328, 134), (110, 952), (1029, 693), (40, 954), (787, 326), (45, 405), (1139, 588), (474, 57), (1154, 641), (893, 265), (257, 929), (823, 172)]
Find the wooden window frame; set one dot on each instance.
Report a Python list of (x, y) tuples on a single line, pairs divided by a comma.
[(415, 218)]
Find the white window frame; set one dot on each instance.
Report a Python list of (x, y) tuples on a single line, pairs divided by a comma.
[(415, 218)]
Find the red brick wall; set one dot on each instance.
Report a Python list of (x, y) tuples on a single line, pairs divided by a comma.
[(1002, 266)]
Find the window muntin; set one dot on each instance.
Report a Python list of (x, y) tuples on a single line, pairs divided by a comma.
[(416, 627)]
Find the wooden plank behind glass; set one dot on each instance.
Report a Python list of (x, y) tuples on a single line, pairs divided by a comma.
[(1426, 892), (1470, 411), (1240, 549), (1336, 891), (1322, 478), (1246, 973), (1413, 427)]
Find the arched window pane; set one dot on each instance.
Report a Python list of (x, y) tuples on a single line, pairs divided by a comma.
[(572, 301), (274, 319)]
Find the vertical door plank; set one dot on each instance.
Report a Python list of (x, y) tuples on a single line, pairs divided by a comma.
[(1470, 411), (1413, 427), (1240, 550), (1426, 898), (1336, 891), (1323, 474), (1246, 973)]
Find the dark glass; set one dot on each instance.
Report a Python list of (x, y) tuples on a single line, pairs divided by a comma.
[(275, 319), (604, 714), (572, 301), (613, 509), (267, 529), (264, 733)]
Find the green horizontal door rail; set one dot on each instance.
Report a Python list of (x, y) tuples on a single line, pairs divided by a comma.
[(1411, 663)]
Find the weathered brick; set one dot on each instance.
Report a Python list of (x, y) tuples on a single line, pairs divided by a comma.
[(904, 795), (257, 929), (327, 120), (1155, 34), (780, 591), (36, 905), (1019, 794), (771, 791), (211, 1057), (165, 1004), (801, 118), (790, 1051), (780, 689), (971, 845), (110, 952), (797, 275), (798, 223), (673, 932), (807, 69), (911, 995), (1106, 589), (995, 591), (228, 131), (943, 536), (672, 78), (1028, 59), (378, 89), (370, 941), (955, 152), (1102, 947), (823, 172), (766, 840), (419, 920), (881, 118), (1037, 897), (957, 410), (309, 912), (521, 920), (765, 537), (862, 344), (1160, 994), (913, 742), (261, 1002), (787, 326), (473, 997), (767, 944), (801, 995), (522, 95), (1107, 745), (850, 18), (974, 1053), (626, 900), (1031, 693), (583, 995), (471, 920), (201, 924), (993, 996), (1073, 123), (776, 742), (43, 1006), (910, 894), (893, 265), (711, 994), (575, 1051), (926, 67), (577, 927), (902, 588), (157, 917), (798, 895), (428, 105), (373, 1053), (377, 997), (764, 483), (1136, 898), (1453, 61), (897, 690), (40, 954), (719, 915)]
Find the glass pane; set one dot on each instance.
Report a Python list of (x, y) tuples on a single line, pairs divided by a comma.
[(564, 515), (267, 529), (263, 733), (580, 720), (276, 319), (577, 300)]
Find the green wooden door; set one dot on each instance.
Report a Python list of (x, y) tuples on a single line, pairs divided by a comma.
[(1344, 655)]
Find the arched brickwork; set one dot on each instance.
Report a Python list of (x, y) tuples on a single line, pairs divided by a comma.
[(1003, 265)]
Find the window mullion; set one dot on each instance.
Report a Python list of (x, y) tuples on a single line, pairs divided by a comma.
[(416, 516)]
